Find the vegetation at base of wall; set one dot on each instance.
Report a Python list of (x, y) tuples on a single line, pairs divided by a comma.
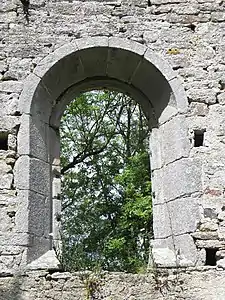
[(106, 188), (93, 281)]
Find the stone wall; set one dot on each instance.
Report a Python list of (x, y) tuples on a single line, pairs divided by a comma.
[(184, 41), (42, 285)]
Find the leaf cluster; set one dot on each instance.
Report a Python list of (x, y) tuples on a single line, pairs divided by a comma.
[(107, 210)]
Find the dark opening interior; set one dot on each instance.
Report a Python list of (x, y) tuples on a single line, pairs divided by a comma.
[(198, 138), (210, 256), (3, 141)]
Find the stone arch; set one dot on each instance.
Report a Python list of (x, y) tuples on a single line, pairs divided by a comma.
[(134, 69)]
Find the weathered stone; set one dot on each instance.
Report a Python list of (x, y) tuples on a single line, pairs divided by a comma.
[(221, 233), (174, 141), (187, 219), (205, 235), (188, 171), (6, 181), (187, 254), (220, 254), (47, 261), (162, 223), (37, 172), (209, 226), (198, 109), (221, 98), (214, 244), (179, 52), (221, 263), (221, 216), (164, 257)]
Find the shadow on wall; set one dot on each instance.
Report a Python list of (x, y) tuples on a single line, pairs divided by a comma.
[(10, 288)]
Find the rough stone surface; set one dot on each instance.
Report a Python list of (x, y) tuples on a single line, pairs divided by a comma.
[(201, 284), (169, 56)]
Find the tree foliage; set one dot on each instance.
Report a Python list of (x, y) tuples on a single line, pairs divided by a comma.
[(106, 188)]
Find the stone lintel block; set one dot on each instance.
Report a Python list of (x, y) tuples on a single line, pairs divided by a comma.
[(187, 254), (205, 235), (198, 109), (182, 177), (184, 215), (212, 244), (161, 221)]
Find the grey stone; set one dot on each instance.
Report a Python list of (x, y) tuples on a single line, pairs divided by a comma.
[(161, 222), (155, 148), (46, 261), (187, 253), (45, 65), (11, 86), (220, 254), (30, 170), (187, 219), (164, 257), (174, 139), (214, 244), (6, 181), (127, 45), (157, 51), (221, 98), (198, 109), (33, 137), (157, 187), (205, 235), (221, 263), (188, 171), (210, 225), (33, 213)]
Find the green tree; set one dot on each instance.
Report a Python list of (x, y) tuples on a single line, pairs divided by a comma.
[(107, 211)]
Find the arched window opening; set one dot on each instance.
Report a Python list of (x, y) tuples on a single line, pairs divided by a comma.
[(106, 188)]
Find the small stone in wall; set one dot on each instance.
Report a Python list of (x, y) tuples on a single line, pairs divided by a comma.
[(221, 263)]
